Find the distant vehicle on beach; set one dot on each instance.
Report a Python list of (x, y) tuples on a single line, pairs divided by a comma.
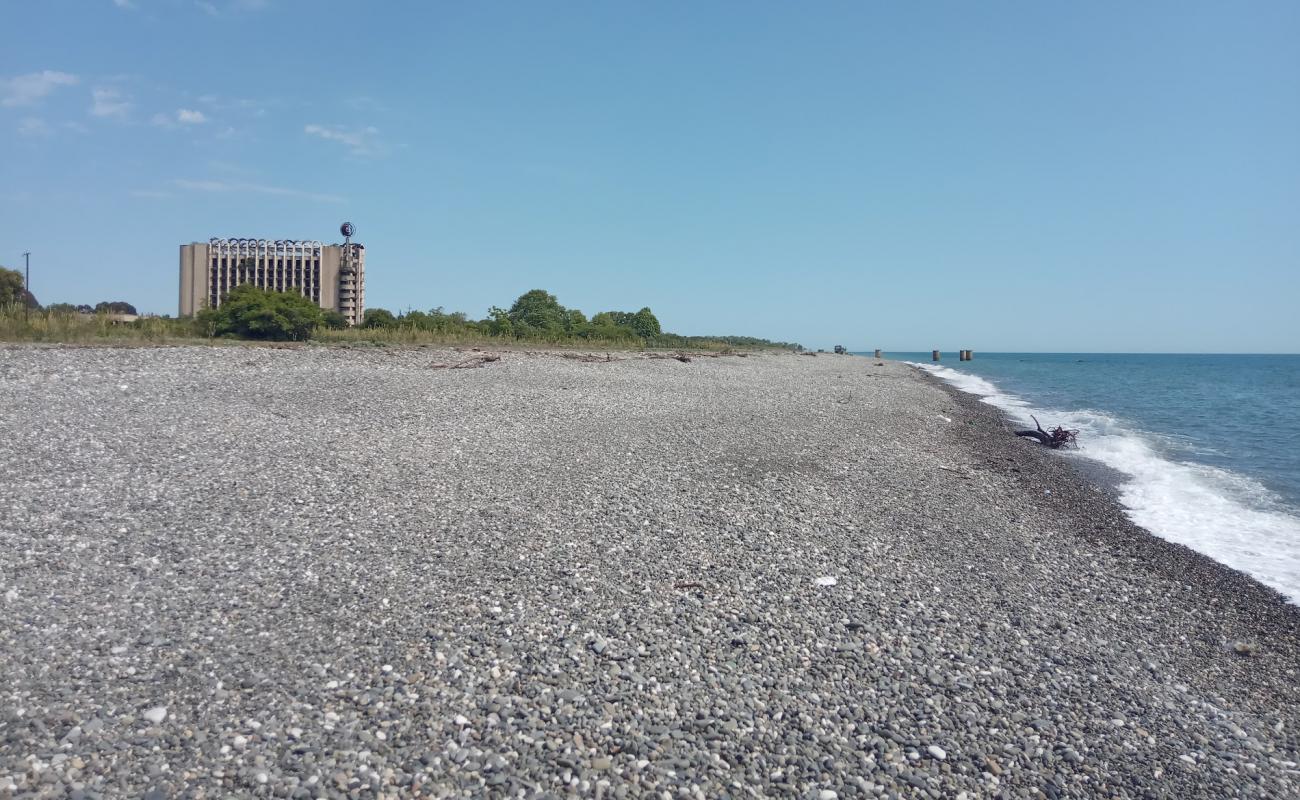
[(839, 348)]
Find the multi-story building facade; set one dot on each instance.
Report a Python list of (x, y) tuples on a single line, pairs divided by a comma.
[(333, 276)]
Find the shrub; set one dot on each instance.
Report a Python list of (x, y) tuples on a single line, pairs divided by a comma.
[(379, 318), (114, 307), (334, 320), (252, 313)]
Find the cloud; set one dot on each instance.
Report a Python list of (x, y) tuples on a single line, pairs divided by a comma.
[(126, 4), (214, 10), (253, 188), (361, 141), (34, 127), (23, 90), (183, 116), (108, 103)]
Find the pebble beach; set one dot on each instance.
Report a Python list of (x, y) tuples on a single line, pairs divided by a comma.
[(325, 572)]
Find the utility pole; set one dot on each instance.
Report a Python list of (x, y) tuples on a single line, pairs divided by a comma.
[(27, 283)]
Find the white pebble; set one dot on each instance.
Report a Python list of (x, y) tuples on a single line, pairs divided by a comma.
[(936, 751), (156, 714), (826, 580)]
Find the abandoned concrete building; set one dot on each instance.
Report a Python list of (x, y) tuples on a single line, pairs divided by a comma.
[(333, 276)]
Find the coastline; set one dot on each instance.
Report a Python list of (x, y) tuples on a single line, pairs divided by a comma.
[(1092, 505), (550, 575)]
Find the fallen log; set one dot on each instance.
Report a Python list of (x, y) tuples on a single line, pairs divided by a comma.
[(1056, 438)]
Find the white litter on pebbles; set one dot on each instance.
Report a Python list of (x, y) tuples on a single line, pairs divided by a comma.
[(320, 572)]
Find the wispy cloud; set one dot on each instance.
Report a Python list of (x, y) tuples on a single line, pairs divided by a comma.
[(214, 9), (34, 127), (361, 141), (125, 4), (108, 103), (22, 90), (253, 188), (182, 116), (38, 128), (366, 103)]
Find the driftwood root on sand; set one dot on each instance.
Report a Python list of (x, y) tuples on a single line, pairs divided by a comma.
[(1056, 438)]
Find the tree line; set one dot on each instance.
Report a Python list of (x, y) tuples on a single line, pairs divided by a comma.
[(14, 293), (537, 315), (249, 312)]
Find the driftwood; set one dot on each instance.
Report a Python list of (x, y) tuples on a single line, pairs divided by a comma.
[(1055, 438), (682, 357), (590, 358), (469, 363)]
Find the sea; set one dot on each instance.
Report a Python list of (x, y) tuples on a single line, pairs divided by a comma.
[(1203, 450)]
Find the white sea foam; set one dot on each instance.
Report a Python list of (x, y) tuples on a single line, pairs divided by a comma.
[(1227, 516)]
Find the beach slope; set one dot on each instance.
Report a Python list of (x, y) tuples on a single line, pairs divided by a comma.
[(321, 572)]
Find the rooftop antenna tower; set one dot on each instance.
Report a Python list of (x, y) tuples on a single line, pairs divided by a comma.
[(349, 290)]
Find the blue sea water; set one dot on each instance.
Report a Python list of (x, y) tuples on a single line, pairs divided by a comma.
[(1207, 447)]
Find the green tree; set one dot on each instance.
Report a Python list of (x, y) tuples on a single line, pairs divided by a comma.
[(114, 307), (379, 318), (61, 308), (252, 313), (419, 320), (645, 324), (12, 289), (537, 312), (575, 322), (498, 322), (11, 286), (334, 320)]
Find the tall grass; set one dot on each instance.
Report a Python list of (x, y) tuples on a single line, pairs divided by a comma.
[(37, 325), (409, 335)]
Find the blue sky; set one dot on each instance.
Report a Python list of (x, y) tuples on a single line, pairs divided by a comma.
[(1000, 176)]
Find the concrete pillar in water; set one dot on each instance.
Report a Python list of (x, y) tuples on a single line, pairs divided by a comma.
[(877, 352), (934, 355)]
